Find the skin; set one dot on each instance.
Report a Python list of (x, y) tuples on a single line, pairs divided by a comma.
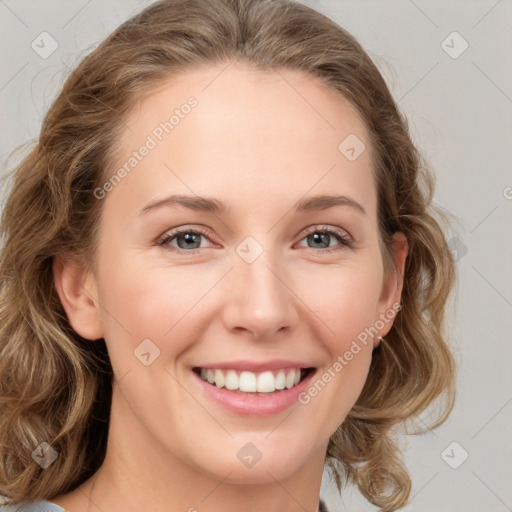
[(258, 142)]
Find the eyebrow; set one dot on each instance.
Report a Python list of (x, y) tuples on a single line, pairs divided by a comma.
[(208, 204)]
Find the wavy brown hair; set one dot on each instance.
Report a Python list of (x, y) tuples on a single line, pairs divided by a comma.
[(56, 386)]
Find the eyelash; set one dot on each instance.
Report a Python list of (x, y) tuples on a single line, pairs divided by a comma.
[(344, 239)]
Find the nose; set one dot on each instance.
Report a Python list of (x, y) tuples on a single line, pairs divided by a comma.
[(259, 298)]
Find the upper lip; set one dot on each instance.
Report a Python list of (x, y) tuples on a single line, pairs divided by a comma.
[(255, 366)]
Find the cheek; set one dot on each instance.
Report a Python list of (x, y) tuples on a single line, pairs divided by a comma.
[(150, 311), (145, 303), (344, 298)]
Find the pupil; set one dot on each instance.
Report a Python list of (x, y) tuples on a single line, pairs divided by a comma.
[(317, 235), (189, 239)]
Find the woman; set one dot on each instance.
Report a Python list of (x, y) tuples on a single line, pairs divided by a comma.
[(172, 336)]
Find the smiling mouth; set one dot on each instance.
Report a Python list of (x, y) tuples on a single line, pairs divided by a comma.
[(254, 383)]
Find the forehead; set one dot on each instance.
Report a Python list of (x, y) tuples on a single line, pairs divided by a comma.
[(241, 135)]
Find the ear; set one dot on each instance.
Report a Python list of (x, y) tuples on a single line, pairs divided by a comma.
[(77, 290), (392, 288)]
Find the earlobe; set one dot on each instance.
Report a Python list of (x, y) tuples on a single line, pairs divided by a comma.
[(392, 290), (77, 290)]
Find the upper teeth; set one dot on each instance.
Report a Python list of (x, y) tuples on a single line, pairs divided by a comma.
[(264, 382)]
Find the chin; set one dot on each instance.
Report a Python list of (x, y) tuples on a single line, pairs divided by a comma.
[(264, 470)]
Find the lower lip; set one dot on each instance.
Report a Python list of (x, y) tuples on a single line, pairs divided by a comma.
[(248, 405)]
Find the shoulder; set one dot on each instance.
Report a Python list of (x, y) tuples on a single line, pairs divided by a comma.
[(35, 506)]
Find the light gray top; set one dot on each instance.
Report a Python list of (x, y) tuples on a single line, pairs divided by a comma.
[(35, 506)]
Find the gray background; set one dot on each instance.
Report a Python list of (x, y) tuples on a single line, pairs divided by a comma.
[(459, 111)]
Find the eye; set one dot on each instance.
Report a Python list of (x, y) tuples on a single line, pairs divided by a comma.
[(322, 236), (188, 240)]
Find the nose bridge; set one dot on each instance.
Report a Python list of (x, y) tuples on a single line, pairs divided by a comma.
[(260, 300)]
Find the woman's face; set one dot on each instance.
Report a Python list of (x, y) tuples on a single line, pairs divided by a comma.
[(251, 285)]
